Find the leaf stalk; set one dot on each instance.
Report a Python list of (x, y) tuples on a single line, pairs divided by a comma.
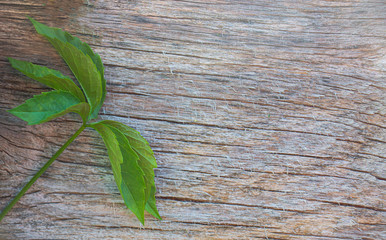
[(40, 172)]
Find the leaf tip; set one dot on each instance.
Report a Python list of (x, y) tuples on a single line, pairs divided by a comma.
[(35, 23), (13, 111), (31, 19), (12, 61), (140, 216)]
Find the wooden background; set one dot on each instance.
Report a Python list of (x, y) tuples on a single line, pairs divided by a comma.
[(267, 119)]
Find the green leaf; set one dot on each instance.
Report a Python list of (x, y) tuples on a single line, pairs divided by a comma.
[(49, 105), (49, 77), (137, 142), (151, 204), (83, 62), (127, 172), (83, 69), (146, 161)]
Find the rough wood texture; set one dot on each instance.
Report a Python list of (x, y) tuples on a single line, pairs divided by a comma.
[(267, 119)]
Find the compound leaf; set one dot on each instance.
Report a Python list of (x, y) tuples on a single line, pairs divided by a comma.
[(49, 105), (131, 157), (48, 77)]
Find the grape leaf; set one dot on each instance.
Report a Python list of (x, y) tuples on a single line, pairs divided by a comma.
[(49, 77), (83, 62), (146, 161), (49, 105), (127, 172)]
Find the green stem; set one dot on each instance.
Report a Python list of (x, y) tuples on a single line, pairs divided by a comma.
[(40, 172)]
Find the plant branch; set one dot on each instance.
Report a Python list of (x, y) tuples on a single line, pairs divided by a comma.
[(40, 172)]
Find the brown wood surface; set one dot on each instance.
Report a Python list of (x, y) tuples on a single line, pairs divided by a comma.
[(267, 119)]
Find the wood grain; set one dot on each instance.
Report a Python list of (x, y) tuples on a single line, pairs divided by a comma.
[(267, 119)]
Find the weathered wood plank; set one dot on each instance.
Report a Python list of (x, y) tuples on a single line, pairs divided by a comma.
[(267, 119)]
